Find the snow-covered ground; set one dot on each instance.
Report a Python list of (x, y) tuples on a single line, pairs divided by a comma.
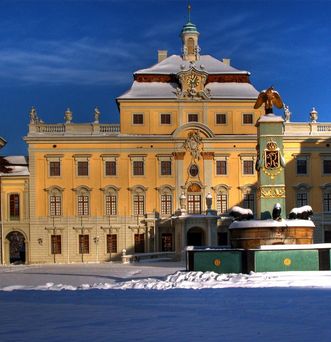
[(161, 302)]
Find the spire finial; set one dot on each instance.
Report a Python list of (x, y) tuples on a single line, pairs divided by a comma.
[(189, 10)]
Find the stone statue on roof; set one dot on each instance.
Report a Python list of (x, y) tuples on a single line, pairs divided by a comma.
[(287, 113), (269, 98)]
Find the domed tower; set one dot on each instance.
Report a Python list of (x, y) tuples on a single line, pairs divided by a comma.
[(190, 38)]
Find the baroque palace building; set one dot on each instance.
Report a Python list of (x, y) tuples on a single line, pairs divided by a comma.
[(165, 177)]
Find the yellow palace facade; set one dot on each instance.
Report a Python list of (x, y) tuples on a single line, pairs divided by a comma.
[(165, 177)]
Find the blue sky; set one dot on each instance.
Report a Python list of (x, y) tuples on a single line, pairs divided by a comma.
[(80, 54)]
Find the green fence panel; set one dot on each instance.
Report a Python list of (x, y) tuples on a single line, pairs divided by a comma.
[(218, 261), (286, 260)]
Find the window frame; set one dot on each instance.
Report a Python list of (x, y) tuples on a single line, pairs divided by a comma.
[(111, 207), (83, 244), (14, 202), (218, 115), (165, 115), (111, 243), (136, 121), (112, 168), (137, 170), (190, 115), (246, 115), (56, 244), (326, 160), (80, 168), (165, 170), (245, 168), (52, 169), (299, 167), (218, 167), (301, 197)]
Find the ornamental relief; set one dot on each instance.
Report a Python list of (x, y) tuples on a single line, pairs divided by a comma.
[(194, 145), (271, 192)]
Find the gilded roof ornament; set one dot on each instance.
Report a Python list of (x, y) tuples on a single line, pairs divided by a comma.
[(269, 98)]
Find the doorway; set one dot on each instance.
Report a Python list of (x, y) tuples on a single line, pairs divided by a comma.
[(195, 237), (17, 252)]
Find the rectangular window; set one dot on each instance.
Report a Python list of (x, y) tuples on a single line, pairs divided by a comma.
[(165, 119), (56, 244), (111, 205), (248, 167), (14, 206), (54, 168), (247, 119), (165, 167), (83, 205), (138, 119), (221, 167), (84, 244), (138, 168), (110, 168), (302, 199), (193, 118), (222, 203), (55, 205), (82, 168), (249, 202), (111, 243), (194, 204), (220, 119), (327, 166), (138, 205), (327, 202), (139, 243), (166, 204), (301, 166)]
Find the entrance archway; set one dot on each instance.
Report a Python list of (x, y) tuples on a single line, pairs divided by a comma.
[(195, 237), (17, 252)]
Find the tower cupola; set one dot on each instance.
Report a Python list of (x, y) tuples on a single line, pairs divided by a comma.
[(190, 38)]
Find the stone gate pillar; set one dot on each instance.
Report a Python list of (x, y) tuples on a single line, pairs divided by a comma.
[(270, 165)]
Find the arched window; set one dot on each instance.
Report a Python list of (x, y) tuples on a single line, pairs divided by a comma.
[(55, 202), (190, 46), (111, 201), (302, 194), (222, 196), (166, 202), (249, 197), (138, 200), (83, 201), (194, 199)]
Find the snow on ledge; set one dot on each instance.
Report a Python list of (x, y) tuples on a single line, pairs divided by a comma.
[(271, 224), (304, 246)]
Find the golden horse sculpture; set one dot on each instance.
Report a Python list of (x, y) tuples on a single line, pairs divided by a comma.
[(270, 98)]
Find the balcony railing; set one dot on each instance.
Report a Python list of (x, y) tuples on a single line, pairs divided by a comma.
[(73, 129), (309, 128)]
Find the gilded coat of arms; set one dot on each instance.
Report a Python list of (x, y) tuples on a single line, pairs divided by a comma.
[(273, 161)]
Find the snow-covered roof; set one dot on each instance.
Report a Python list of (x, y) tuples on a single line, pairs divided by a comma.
[(14, 166), (174, 64), (16, 160), (16, 171), (231, 90)]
